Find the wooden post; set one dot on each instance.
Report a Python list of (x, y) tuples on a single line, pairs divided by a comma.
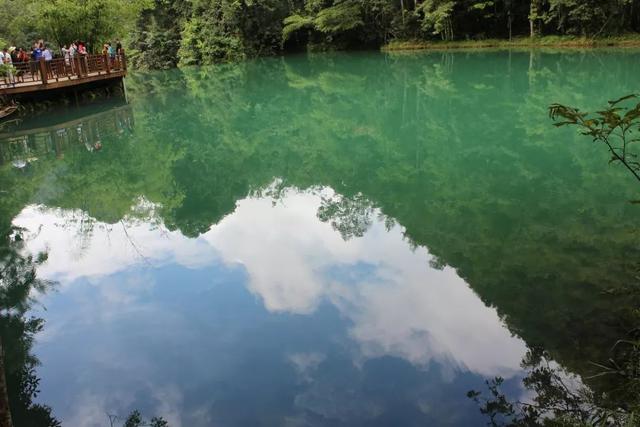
[(106, 60), (43, 72), (124, 61), (124, 90), (76, 60)]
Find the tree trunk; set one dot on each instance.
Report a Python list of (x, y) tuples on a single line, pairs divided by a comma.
[(533, 17), (510, 24), (5, 412)]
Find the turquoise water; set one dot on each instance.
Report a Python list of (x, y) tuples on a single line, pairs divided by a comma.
[(332, 239)]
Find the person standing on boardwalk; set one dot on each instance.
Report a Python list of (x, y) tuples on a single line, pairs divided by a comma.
[(82, 52), (111, 51), (6, 57), (23, 56), (8, 63), (73, 52), (36, 52), (46, 54), (66, 55)]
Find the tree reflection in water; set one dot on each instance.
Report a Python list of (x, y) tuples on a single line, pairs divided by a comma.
[(559, 398), (526, 236), (18, 286), (611, 395)]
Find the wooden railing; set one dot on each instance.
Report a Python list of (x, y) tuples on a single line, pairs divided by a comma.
[(79, 67)]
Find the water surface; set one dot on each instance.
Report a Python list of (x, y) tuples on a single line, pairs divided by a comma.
[(335, 239)]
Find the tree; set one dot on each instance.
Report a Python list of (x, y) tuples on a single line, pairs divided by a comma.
[(93, 21), (332, 22), (155, 40), (438, 17), (135, 420), (534, 17)]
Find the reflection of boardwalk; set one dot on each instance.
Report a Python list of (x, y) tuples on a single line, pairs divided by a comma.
[(24, 145), (59, 73)]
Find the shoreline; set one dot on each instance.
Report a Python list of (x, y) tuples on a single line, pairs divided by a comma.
[(549, 42)]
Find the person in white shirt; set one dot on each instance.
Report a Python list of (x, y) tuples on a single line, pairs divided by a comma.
[(46, 54), (66, 54), (6, 59)]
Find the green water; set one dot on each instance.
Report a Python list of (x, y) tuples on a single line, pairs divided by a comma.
[(335, 239)]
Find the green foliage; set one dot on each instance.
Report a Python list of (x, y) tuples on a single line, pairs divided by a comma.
[(206, 43), (163, 33), (330, 22), (94, 21), (226, 30), (339, 18), (437, 17), (295, 23), (19, 27), (617, 127), (7, 69), (135, 420), (155, 41)]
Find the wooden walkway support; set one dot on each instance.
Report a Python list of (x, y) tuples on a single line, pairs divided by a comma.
[(38, 76), (51, 140)]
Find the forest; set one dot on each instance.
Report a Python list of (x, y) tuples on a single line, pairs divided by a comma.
[(162, 34)]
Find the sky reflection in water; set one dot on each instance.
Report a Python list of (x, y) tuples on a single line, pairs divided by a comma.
[(312, 308), (269, 318)]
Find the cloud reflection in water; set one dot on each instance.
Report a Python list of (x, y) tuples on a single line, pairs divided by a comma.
[(157, 318)]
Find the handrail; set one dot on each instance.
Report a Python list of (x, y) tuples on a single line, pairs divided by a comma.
[(79, 67)]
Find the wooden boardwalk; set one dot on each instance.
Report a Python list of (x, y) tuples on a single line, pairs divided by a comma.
[(37, 76)]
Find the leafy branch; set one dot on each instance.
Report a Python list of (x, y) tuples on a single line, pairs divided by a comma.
[(616, 126)]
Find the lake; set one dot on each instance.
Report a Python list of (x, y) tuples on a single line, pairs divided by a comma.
[(324, 239)]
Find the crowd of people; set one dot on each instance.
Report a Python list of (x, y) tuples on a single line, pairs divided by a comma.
[(12, 56)]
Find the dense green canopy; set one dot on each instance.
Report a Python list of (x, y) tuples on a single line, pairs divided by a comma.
[(60, 22), (213, 30), (163, 33)]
